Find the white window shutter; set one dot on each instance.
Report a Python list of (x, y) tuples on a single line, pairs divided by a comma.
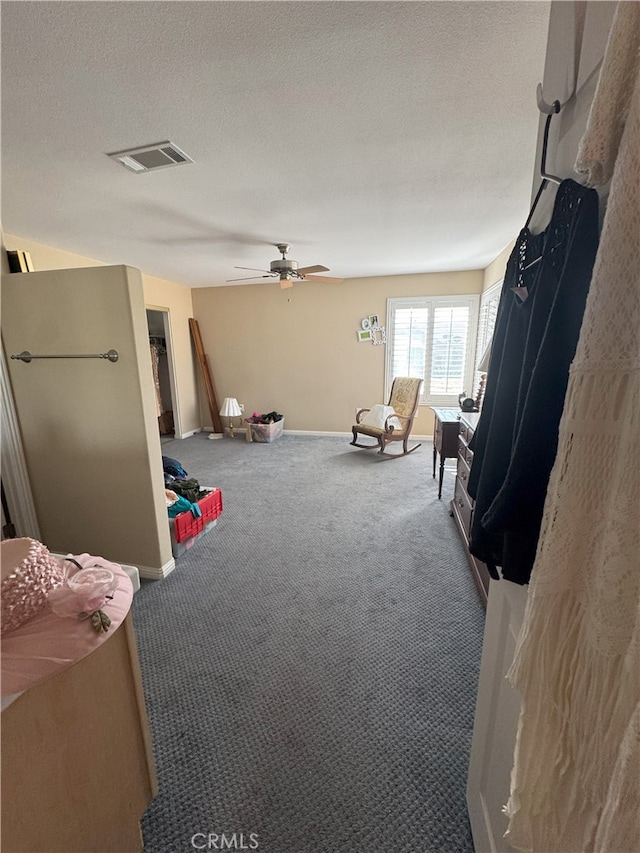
[(449, 350), (432, 338), (409, 341)]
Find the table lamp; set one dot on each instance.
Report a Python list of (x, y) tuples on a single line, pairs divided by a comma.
[(230, 409), (482, 368)]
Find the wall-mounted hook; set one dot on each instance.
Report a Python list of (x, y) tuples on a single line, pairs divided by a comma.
[(543, 106), (549, 110)]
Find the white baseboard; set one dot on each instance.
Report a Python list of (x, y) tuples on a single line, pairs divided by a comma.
[(314, 432), (156, 574), (319, 432), (190, 433), (287, 431), (342, 434)]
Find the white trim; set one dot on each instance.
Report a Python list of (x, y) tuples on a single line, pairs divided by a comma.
[(173, 382), (470, 300), (154, 573), (313, 432), (339, 434), (171, 367), (190, 433), (496, 718), (491, 294), (320, 432), (492, 291), (15, 475)]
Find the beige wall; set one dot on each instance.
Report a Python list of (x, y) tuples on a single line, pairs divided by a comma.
[(167, 295), (495, 271), (295, 350), (89, 426)]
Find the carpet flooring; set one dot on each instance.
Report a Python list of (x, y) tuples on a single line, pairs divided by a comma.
[(310, 667)]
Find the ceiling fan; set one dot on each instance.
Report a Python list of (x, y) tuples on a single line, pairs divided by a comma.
[(288, 271)]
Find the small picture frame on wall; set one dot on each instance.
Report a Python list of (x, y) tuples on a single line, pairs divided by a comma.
[(378, 336), (365, 323), (364, 336), (373, 321)]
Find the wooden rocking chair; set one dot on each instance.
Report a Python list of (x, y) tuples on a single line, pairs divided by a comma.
[(405, 394)]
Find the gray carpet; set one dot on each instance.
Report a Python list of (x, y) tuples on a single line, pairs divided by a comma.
[(311, 665)]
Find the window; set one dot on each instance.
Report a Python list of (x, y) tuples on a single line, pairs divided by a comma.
[(433, 338), (489, 302)]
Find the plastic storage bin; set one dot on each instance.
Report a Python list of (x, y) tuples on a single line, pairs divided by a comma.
[(266, 433), (186, 529)]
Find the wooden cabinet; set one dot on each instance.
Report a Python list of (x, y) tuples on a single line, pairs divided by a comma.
[(462, 504), (77, 763)]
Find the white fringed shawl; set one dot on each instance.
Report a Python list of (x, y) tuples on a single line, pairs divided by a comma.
[(575, 783)]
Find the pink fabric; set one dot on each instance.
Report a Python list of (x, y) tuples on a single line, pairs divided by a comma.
[(33, 574), (85, 591), (47, 644)]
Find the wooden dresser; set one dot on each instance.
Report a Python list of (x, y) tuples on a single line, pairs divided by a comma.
[(462, 504)]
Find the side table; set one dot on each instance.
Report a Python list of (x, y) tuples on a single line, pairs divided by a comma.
[(445, 439)]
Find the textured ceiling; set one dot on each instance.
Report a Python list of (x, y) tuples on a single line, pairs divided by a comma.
[(376, 137)]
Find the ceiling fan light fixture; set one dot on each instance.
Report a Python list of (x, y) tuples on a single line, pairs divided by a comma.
[(287, 271), (283, 266)]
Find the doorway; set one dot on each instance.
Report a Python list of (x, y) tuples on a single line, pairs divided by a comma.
[(159, 326)]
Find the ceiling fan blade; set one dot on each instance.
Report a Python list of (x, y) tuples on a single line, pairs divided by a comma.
[(254, 269), (286, 282), (316, 268), (324, 278), (250, 278)]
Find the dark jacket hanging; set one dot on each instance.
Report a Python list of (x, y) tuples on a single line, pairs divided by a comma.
[(539, 317)]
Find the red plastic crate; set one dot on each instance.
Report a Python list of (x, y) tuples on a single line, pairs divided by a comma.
[(187, 526)]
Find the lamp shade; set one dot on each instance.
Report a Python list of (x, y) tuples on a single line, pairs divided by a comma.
[(230, 408), (483, 364)]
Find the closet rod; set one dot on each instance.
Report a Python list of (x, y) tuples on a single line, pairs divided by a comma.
[(26, 356)]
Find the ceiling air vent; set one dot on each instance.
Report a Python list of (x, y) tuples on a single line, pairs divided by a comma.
[(151, 157)]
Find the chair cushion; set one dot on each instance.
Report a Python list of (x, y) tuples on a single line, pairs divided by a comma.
[(403, 397), (369, 430), (377, 416)]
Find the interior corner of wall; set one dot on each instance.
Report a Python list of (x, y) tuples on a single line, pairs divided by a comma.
[(157, 573)]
